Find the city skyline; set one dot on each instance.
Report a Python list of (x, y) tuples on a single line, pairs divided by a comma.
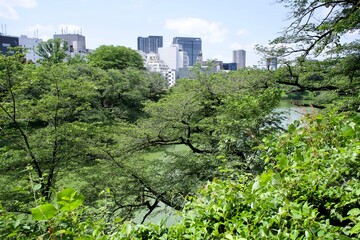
[(223, 27)]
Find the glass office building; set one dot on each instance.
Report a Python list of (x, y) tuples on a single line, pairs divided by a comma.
[(149, 44), (192, 46)]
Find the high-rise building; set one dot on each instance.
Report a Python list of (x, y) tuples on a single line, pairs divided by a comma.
[(271, 63), (6, 42), (174, 56), (149, 44), (239, 57), (192, 46), (76, 42)]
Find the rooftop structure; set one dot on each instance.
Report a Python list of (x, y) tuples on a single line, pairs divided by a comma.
[(76, 42)]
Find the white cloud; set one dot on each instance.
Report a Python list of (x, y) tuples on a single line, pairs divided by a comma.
[(39, 27), (247, 47), (195, 27), (68, 28), (137, 4), (241, 32), (218, 56), (46, 32), (7, 7), (41, 31)]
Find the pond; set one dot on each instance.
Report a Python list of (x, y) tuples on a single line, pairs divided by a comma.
[(163, 213), (292, 112)]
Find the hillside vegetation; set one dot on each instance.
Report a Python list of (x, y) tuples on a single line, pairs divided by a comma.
[(86, 144)]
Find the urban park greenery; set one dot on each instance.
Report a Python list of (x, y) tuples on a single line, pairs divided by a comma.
[(89, 145)]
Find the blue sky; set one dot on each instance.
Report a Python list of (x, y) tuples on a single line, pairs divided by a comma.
[(224, 26)]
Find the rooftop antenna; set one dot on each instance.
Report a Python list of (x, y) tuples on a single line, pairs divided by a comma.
[(80, 31), (5, 29), (37, 33), (2, 29)]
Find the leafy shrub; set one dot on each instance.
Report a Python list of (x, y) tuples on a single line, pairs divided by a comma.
[(310, 189)]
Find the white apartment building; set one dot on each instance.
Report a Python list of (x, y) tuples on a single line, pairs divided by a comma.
[(174, 56), (154, 64), (30, 44), (170, 76)]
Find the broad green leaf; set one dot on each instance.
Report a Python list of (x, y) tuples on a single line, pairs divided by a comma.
[(347, 131), (283, 162), (255, 186), (37, 186), (266, 177), (291, 128), (69, 199), (354, 212), (229, 236), (43, 212), (356, 228)]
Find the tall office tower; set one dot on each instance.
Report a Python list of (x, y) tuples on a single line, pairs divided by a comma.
[(239, 57), (192, 46), (76, 42), (149, 44)]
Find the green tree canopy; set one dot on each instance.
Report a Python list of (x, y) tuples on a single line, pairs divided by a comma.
[(206, 122), (115, 57), (52, 51), (60, 121), (314, 56), (317, 25)]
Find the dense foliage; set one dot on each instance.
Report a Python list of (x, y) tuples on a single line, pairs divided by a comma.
[(52, 51), (115, 57), (308, 190), (318, 52), (56, 119), (212, 148)]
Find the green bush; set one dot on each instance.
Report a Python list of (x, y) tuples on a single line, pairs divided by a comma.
[(310, 189)]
